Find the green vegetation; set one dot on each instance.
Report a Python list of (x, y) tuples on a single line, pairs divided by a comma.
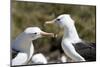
[(26, 14)]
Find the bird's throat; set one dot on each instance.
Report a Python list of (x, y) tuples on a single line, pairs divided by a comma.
[(71, 34)]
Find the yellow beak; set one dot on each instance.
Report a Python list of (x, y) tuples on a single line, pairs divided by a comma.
[(47, 34), (50, 22)]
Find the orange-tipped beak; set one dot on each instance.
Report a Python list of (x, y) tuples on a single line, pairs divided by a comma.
[(47, 34)]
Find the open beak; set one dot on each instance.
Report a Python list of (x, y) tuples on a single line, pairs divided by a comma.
[(50, 22), (47, 34)]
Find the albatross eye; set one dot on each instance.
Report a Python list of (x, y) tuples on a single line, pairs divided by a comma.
[(58, 19), (35, 33)]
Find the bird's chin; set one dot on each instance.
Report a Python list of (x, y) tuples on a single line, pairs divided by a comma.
[(36, 37)]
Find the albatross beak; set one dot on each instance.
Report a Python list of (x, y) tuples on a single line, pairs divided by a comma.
[(47, 34), (50, 22)]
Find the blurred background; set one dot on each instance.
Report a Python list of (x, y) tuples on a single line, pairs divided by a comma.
[(27, 14)]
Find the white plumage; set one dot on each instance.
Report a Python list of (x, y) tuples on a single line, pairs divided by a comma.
[(23, 44), (39, 59), (70, 36), (63, 58)]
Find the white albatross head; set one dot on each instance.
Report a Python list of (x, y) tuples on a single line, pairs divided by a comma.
[(67, 23), (62, 20), (35, 32)]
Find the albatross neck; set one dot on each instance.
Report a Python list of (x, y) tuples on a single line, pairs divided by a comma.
[(22, 43), (70, 33)]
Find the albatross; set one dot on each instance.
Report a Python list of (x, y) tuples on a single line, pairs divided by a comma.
[(70, 37), (24, 46)]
